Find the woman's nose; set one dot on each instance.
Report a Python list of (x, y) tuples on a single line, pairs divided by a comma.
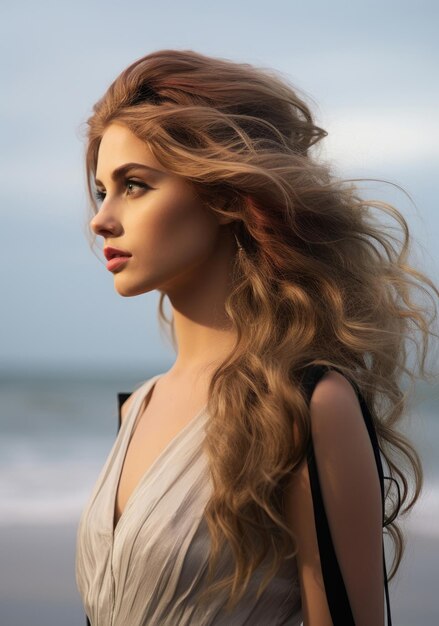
[(103, 222)]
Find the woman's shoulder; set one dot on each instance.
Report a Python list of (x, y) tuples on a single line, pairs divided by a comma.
[(333, 388), (126, 400)]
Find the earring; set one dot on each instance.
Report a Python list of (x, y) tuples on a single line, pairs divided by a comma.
[(238, 243)]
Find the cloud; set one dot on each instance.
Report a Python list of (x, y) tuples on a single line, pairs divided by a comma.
[(368, 138)]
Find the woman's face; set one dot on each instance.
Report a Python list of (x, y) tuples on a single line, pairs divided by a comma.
[(152, 214)]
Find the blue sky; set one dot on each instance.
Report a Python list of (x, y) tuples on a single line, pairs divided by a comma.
[(368, 71)]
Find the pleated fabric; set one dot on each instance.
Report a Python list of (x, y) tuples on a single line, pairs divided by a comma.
[(150, 569)]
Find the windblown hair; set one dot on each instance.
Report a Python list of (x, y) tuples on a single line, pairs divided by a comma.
[(319, 281)]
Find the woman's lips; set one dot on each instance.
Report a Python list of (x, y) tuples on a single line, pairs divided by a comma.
[(117, 261)]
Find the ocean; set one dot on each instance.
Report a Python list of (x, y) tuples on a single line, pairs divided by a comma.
[(56, 432)]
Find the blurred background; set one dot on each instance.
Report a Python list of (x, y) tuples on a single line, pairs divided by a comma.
[(70, 343)]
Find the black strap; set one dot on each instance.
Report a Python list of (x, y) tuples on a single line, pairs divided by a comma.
[(338, 600), (121, 397)]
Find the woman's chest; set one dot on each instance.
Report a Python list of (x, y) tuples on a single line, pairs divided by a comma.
[(155, 427)]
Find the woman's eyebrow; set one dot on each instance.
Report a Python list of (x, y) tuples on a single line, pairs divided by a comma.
[(122, 169)]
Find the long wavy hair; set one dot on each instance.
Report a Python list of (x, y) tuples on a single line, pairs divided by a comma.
[(319, 280)]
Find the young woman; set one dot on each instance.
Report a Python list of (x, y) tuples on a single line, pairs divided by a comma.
[(245, 484)]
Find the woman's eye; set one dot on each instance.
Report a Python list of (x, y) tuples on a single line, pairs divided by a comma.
[(129, 185), (136, 183)]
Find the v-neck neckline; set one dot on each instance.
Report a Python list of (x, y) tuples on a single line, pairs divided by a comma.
[(131, 424)]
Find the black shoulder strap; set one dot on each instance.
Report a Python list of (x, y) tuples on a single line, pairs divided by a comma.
[(338, 600), (121, 397)]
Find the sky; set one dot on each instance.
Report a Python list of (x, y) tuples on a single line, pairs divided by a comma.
[(368, 71)]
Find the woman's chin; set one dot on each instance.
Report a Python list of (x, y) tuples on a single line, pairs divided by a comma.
[(128, 289)]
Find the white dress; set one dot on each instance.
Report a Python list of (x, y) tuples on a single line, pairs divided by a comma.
[(148, 571)]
